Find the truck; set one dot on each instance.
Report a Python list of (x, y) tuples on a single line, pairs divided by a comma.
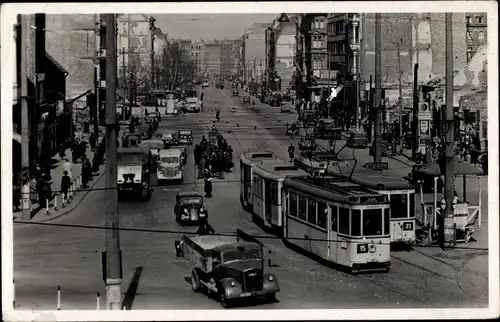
[(230, 267), (133, 172)]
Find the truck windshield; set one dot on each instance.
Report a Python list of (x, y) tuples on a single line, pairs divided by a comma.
[(169, 160), (247, 254)]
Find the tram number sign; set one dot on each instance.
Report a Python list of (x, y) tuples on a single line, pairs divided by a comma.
[(408, 226), (377, 166), (362, 248)]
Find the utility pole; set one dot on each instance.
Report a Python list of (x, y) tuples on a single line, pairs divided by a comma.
[(378, 90), (416, 96), (124, 82), (370, 111), (400, 73), (23, 27), (113, 258), (152, 29), (359, 72), (96, 79), (449, 230)]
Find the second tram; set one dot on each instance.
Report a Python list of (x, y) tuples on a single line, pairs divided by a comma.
[(247, 162), (339, 221), (268, 180), (401, 196)]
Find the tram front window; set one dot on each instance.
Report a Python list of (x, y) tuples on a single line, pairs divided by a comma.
[(399, 206), (372, 222)]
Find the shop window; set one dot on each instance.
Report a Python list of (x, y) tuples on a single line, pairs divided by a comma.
[(344, 220)]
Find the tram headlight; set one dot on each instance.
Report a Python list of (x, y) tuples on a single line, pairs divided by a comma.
[(372, 248), (271, 278), (233, 284)]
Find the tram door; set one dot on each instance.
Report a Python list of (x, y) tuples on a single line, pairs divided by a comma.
[(267, 200), (332, 231)]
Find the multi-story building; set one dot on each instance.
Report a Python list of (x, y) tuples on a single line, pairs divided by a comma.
[(212, 58), (198, 56), (255, 51), (476, 27), (280, 49), (226, 56)]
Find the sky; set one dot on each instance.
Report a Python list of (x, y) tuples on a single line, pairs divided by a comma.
[(208, 26)]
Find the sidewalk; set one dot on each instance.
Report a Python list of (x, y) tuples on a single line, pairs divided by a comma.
[(55, 209)]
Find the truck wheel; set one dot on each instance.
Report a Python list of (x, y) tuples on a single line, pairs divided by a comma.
[(271, 298), (195, 282), (224, 302)]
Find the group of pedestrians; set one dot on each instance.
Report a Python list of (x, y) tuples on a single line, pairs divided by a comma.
[(214, 156)]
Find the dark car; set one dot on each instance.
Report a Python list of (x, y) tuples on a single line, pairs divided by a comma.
[(189, 208), (246, 99), (236, 92), (184, 137)]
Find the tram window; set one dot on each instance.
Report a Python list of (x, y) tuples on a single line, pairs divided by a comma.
[(274, 192), (333, 211), (311, 211), (293, 204), (344, 219), (257, 186), (322, 215), (412, 205), (372, 222), (387, 222), (398, 206), (302, 207), (356, 222)]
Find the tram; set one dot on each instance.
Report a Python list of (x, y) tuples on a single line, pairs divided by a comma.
[(268, 180), (313, 163), (401, 196), (339, 221), (247, 161)]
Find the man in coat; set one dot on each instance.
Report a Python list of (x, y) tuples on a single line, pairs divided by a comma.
[(208, 184)]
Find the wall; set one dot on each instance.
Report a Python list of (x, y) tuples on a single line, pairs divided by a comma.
[(255, 50), (397, 27), (212, 58)]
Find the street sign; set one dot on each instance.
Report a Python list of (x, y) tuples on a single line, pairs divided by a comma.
[(377, 166)]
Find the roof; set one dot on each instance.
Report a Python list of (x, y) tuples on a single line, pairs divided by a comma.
[(341, 191), (53, 61), (380, 181), (461, 168), (277, 170), (152, 142), (234, 246), (189, 194), (133, 150), (170, 152), (209, 242), (253, 156)]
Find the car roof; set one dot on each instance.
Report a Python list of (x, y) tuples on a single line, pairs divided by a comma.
[(189, 194), (170, 152)]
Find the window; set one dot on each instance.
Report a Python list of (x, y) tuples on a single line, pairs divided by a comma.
[(480, 35), (479, 19), (341, 27), (399, 206), (274, 193), (356, 222), (485, 129), (322, 215), (387, 222), (302, 208), (333, 211), (311, 211), (344, 220), (257, 186), (342, 48), (372, 222), (469, 20), (322, 24), (293, 204), (411, 198)]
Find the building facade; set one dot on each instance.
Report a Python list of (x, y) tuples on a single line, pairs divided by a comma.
[(255, 51), (198, 56), (226, 57), (212, 58), (477, 35)]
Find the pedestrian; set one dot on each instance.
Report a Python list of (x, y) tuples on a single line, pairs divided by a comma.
[(67, 168), (88, 169), (65, 184), (92, 142), (291, 151), (146, 112), (95, 163), (201, 167), (196, 153), (214, 163), (208, 184), (16, 196), (220, 164)]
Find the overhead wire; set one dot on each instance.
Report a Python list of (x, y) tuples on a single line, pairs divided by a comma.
[(181, 232)]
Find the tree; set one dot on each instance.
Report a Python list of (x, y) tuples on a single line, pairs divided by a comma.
[(175, 67)]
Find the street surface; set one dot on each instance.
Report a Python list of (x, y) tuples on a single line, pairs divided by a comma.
[(46, 256)]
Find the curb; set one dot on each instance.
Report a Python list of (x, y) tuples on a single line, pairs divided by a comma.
[(69, 210)]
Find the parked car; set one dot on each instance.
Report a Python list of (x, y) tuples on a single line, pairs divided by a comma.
[(189, 208)]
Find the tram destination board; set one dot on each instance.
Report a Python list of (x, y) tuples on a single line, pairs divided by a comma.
[(377, 166)]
